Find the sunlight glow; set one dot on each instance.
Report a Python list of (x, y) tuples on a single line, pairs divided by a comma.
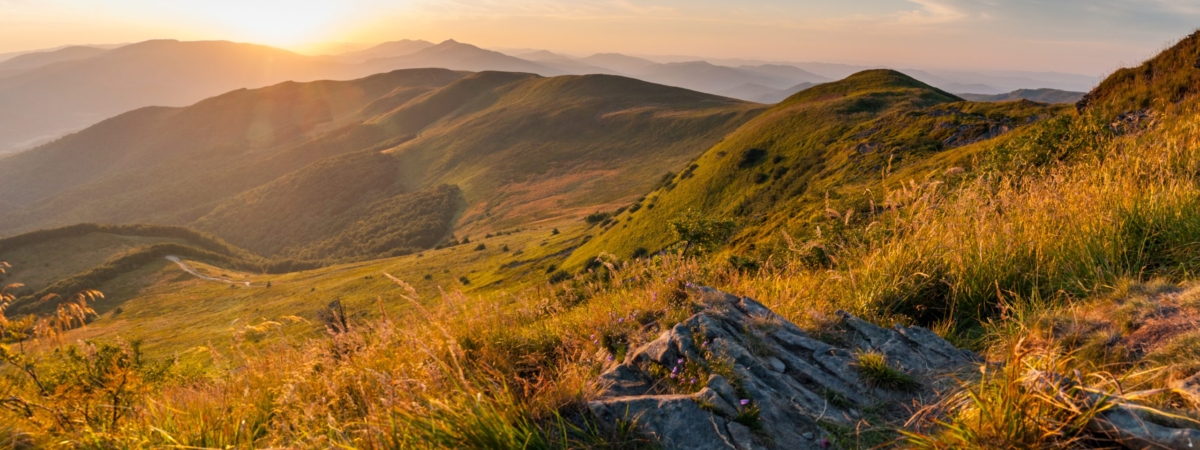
[(276, 22)]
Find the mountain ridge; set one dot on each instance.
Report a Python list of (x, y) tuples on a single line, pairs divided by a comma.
[(415, 131)]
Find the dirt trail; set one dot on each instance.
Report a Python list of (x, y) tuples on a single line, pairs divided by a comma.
[(188, 269)]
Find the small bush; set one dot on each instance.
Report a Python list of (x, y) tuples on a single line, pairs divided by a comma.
[(701, 235), (876, 372), (597, 217), (559, 277), (751, 157)]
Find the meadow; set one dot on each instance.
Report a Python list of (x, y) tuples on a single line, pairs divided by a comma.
[(1067, 247), (982, 262)]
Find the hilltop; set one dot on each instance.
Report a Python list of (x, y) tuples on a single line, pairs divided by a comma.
[(819, 149), (451, 54), (1053, 96)]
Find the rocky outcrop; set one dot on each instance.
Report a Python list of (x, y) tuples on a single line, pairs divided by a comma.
[(1118, 421), (738, 376)]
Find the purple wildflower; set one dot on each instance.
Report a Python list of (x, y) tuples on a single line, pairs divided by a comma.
[(693, 381), (824, 443), (680, 361), (744, 402), (621, 320), (610, 357)]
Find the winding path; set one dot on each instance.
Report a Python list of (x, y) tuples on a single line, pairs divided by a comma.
[(188, 269)]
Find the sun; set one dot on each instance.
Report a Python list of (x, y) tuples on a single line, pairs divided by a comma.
[(276, 22)]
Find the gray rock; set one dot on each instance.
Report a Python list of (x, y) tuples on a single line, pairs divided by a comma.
[(675, 421), (743, 437), (719, 404), (792, 380), (1190, 389), (776, 364), (1121, 422)]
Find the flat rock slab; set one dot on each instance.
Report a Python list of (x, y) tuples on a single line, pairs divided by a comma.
[(738, 376)]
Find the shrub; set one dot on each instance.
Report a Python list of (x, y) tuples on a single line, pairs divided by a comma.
[(752, 157), (701, 235), (597, 217), (876, 372), (559, 277)]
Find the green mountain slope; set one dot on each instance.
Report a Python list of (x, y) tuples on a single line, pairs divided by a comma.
[(507, 151), (822, 148), (69, 259), (286, 169), (1168, 78), (331, 204)]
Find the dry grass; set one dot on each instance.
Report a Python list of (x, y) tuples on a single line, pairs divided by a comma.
[(984, 261)]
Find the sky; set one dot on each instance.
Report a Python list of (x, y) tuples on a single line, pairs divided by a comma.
[(1091, 37)]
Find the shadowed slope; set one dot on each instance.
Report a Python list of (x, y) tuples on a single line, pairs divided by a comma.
[(267, 168), (159, 164), (566, 142)]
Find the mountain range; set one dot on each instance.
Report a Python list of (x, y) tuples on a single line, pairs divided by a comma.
[(1036, 95), (45, 95), (437, 258), (404, 158)]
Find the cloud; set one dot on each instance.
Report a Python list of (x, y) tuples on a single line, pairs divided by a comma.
[(933, 12)]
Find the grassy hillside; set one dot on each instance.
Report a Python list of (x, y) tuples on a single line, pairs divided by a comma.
[(1064, 245), (349, 206), (548, 146), (71, 259), (820, 152), (183, 145), (40, 265), (285, 170), (507, 262)]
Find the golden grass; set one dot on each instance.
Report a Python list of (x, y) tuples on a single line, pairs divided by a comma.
[(980, 261)]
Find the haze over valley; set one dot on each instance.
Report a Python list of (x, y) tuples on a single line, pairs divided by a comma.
[(48, 94)]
